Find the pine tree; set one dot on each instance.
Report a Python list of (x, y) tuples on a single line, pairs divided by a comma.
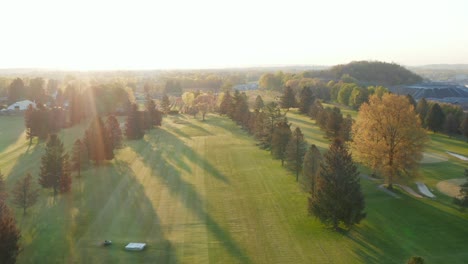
[(98, 141), (435, 118), (288, 99), (54, 164), (295, 151), (259, 104), (346, 127), (450, 124), (133, 126), (65, 178), (241, 109), (165, 104), (311, 167), (227, 104), (421, 109), (115, 133), (25, 194), (79, 157), (337, 196), (280, 139), (28, 123), (464, 127), (151, 112), (9, 236), (334, 122), (315, 109), (3, 190), (306, 99), (412, 101)]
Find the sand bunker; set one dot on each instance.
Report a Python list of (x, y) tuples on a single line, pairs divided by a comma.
[(450, 187), (424, 190), (458, 156)]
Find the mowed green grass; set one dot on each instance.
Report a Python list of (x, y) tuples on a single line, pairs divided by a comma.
[(203, 192)]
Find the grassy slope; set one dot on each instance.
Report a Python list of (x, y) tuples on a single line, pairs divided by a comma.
[(200, 192)]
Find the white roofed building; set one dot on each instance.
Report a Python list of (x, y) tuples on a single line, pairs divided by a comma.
[(21, 105)]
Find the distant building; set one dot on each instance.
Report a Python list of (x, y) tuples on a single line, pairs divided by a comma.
[(246, 87), (21, 105)]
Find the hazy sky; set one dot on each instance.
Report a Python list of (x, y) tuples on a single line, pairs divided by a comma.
[(136, 34)]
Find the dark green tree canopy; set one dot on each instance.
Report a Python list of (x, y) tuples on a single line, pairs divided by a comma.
[(295, 151), (306, 99), (288, 99), (280, 138), (337, 197), (435, 118)]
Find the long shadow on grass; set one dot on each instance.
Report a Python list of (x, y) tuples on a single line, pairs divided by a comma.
[(117, 208), (154, 158), (175, 150), (398, 229)]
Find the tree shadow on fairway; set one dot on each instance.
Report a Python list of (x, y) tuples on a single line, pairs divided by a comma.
[(113, 206), (406, 227), (27, 162), (171, 147), (185, 191)]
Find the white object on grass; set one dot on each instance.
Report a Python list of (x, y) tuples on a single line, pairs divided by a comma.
[(424, 190), (135, 246)]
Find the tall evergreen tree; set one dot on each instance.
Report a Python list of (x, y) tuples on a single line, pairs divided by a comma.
[(79, 157), (66, 180), (98, 141), (421, 109), (337, 196), (279, 141), (9, 236), (295, 151), (272, 115), (259, 104), (435, 118), (306, 99), (315, 109), (133, 126), (16, 90), (241, 109), (334, 122), (25, 194), (288, 99), (115, 133), (54, 164), (150, 106), (28, 123), (412, 101), (346, 127), (450, 124), (227, 104), (311, 167), (165, 104), (464, 127)]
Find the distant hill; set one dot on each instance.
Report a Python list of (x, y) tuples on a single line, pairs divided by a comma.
[(369, 72)]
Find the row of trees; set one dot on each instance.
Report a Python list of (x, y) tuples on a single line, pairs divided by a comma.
[(323, 177), (440, 117)]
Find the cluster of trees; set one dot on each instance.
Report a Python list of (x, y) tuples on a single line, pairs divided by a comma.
[(323, 177), (198, 102), (373, 72), (42, 121), (349, 93), (440, 117)]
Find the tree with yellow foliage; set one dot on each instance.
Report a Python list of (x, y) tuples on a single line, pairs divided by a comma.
[(388, 136)]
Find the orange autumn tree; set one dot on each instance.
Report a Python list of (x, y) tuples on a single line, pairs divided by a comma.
[(388, 137)]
